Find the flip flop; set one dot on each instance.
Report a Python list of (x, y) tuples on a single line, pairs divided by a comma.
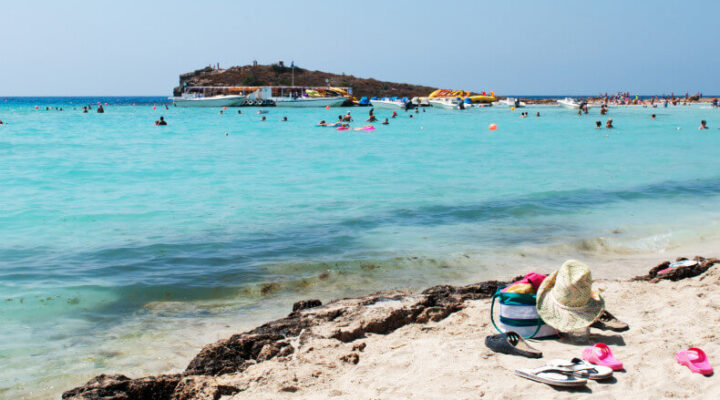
[(511, 343), (600, 354), (695, 359), (551, 375), (583, 369)]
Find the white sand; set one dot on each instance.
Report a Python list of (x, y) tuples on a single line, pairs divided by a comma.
[(448, 359)]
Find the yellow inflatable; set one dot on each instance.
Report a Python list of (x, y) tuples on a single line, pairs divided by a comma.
[(483, 98)]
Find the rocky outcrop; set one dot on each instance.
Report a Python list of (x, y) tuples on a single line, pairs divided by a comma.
[(281, 75), (344, 320), (703, 264)]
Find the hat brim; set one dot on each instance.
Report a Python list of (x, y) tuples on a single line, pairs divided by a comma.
[(563, 318)]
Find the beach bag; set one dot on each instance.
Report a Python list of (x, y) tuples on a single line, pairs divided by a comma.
[(518, 313)]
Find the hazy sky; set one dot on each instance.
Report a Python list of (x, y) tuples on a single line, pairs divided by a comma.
[(512, 47)]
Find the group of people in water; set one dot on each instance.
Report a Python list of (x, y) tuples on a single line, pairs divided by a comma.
[(344, 120)]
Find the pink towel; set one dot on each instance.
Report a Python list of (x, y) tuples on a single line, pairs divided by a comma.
[(532, 278)]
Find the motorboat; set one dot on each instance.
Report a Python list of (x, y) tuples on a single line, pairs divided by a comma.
[(569, 102), (389, 103), (512, 102), (198, 100), (448, 103), (307, 101)]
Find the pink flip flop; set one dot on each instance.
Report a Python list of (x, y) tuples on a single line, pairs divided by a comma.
[(695, 359), (600, 354)]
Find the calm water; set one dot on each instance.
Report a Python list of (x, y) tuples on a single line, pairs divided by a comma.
[(124, 247)]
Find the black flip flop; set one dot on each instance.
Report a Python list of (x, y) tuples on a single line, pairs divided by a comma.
[(511, 343)]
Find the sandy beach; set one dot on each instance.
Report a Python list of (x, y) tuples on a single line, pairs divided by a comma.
[(430, 345)]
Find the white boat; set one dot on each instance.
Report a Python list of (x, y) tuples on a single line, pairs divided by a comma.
[(512, 102), (309, 101), (388, 103), (198, 100), (449, 103), (569, 102)]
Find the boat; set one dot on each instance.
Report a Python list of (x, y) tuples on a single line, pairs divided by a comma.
[(390, 103), (198, 100), (309, 101), (512, 102), (446, 102), (569, 102)]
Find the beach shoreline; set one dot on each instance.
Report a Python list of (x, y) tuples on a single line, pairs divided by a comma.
[(382, 345)]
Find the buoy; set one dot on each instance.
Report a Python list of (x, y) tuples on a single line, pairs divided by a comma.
[(153, 107), (492, 127), (36, 107), (224, 107), (327, 107), (512, 108)]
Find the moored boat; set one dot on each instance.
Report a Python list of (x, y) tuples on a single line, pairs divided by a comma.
[(389, 103), (198, 100), (512, 102), (309, 101), (569, 102)]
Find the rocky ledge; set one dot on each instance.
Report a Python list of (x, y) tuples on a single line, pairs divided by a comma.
[(343, 320)]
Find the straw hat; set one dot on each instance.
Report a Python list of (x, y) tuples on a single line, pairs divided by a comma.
[(565, 299)]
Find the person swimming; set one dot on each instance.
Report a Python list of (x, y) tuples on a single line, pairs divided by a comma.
[(394, 114), (264, 118), (703, 125), (371, 118), (239, 111), (537, 114), (284, 119), (598, 124), (161, 122), (609, 124), (386, 122), (347, 117), (652, 116), (100, 109)]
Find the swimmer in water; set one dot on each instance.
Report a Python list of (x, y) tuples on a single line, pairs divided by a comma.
[(100, 109), (161, 122), (386, 122), (371, 118), (239, 112), (394, 114), (411, 115), (703, 125), (537, 114), (609, 124), (322, 123), (652, 116), (220, 112), (598, 124), (264, 118), (284, 119)]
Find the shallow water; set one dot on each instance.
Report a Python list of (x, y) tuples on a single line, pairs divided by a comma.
[(124, 247)]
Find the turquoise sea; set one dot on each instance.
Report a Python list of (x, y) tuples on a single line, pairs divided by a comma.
[(125, 247)]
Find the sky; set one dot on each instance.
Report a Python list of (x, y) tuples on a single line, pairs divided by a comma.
[(63, 48)]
